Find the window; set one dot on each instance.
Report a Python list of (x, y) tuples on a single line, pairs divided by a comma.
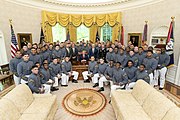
[(106, 32), (59, 33), (82, 33)]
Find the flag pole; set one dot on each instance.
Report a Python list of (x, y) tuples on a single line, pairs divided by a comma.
[(144, 40)]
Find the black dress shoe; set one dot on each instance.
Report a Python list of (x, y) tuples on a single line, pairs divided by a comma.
[(86, 81), (109, 101), (160, 88), (64, 85), (101, 89), (54, 89), (74, 81), (95, 85)]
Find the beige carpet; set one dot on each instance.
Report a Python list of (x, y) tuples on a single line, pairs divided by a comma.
[(104, 113)]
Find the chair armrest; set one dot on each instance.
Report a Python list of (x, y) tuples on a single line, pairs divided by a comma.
[(42, 95)]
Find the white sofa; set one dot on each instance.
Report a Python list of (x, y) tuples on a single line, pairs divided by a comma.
[(143, 103), (21, 104)]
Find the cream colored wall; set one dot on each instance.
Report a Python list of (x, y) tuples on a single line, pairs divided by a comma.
[(157, 14), (25, 19)]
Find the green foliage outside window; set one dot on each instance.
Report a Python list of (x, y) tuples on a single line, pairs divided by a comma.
[(106, 32), (82, 33), (59, 33)]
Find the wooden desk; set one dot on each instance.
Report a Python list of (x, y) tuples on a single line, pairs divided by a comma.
[(80, 69), (7, 82)]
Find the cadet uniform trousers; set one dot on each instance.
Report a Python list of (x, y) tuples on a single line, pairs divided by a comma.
[(162, 73), (65, 78), (94, 78), (56, 83), (102, 80), (16, 80), (24, 81), (130, 85), (47, 88)]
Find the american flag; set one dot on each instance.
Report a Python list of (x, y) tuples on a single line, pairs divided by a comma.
[(122, 35), (14, 45), (170, 43), (145, 33)]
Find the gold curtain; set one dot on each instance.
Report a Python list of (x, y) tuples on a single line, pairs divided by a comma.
[(115, 32), (93, 31), (88, 20), (63, 19), (72, 21), (76, 20), (48, 33), (73, 32)]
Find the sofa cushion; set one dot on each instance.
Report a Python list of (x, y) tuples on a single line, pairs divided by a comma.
[(156, 105), (133, 113), (41, 105), (21, 96), (141, 90), (124, 97), (33, 117), (8, 110), (172, 114)]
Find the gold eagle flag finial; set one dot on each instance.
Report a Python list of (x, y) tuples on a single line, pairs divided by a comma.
[(172, 18), (10, 21)]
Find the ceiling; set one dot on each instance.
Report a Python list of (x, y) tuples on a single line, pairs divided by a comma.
[(85, 6), (85, 1)]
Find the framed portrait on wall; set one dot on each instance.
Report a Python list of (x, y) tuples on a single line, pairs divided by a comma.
[(135, 38), (24, 39)]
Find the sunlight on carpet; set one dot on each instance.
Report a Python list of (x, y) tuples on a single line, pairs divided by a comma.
[(102, 110)]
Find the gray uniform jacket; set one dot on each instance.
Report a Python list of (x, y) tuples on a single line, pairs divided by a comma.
[(151, 64), (55, 69), (13, 65), (63, 52), (142, 75), (34, 83), (46, 75), (35, 58), (131, 73), (66, 67), (56, 53), (109, 71), (119, 76), (45, 56), (164, 60), (115, 57), (122, 59), (50, 54), (102, 68), (109, 56), (92, 68), (24, 68), (140, 57), (134, 59)]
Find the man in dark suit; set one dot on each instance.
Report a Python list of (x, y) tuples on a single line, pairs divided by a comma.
[(93, 52), (69, 50), (134, 41), (74, 52), (102, 53), (83, 57)]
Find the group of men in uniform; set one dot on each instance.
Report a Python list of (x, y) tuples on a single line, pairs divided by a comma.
[(42, 68)]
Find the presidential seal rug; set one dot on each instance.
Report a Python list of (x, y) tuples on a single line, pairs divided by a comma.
[(84, 102)]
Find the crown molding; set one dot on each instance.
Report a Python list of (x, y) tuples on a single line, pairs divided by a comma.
[(88, 8), (113, 2)]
